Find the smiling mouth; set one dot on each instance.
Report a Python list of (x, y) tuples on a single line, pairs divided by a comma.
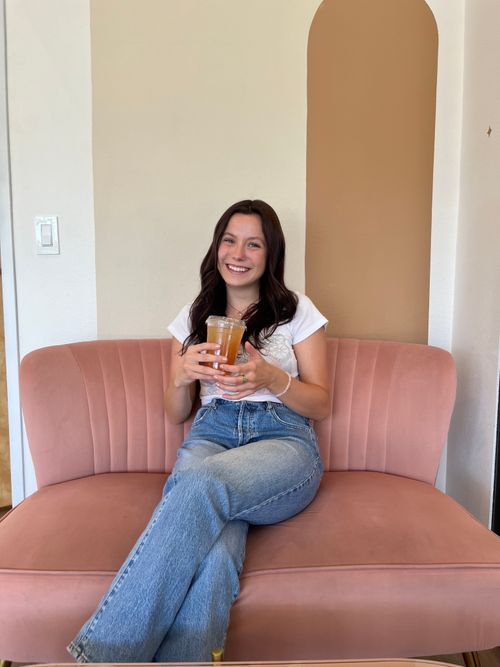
[(237, 269)]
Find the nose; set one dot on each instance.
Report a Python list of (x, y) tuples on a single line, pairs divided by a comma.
[(239, 251)]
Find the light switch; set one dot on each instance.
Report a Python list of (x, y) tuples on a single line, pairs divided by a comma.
[(47, 236)]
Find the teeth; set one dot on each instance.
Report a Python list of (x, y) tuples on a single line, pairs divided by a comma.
[(240, 269)]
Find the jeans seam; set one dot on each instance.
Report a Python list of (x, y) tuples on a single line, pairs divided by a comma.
[(281, 494), (209, 408)]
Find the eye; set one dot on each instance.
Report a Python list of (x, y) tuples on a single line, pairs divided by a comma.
[(227, 240), (253, 244)]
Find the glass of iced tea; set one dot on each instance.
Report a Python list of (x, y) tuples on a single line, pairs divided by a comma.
[(228, 333)]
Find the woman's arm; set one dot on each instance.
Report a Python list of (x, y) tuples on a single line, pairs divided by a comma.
[(185, 369), (308, 396)]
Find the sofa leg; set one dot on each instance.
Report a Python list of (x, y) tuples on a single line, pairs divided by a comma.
[(471, 659), (5, 663), (217, 655)]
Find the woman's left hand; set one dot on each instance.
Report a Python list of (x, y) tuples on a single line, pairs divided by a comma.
[(244, 379)]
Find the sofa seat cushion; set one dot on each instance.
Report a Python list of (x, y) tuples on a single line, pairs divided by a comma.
[(59, 551), (372, 563), (328, 583)]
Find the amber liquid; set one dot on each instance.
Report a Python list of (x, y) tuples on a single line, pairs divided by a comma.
[(229, 340)]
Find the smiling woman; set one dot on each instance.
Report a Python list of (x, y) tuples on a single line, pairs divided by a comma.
[(251, 456), (242, 260), (243, 273)]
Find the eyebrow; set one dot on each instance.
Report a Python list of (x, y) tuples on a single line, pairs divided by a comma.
[(250, 238)]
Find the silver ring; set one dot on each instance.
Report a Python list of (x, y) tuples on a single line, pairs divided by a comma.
[(244, 378)]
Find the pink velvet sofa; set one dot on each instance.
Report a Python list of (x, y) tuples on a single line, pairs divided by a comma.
[(381, 564)]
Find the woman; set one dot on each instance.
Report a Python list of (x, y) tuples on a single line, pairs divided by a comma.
[(250, 458)]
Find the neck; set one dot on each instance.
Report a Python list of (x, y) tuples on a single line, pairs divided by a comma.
[(238, 303)]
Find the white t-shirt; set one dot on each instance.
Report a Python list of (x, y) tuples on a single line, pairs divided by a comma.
[(277, 349)]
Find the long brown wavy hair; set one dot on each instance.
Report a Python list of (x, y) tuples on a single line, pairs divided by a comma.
[(277, 304)]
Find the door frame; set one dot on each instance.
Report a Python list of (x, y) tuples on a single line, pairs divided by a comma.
[(7, 259)]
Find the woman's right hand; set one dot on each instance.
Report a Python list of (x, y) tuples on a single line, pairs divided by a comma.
[(192, 365)]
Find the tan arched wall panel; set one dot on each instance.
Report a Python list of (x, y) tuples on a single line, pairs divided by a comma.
[(370, 139)]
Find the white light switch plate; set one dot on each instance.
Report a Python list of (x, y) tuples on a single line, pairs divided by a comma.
[(47, 235)]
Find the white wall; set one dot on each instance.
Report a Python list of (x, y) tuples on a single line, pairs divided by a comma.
[(476, 323), (449, 18), (446, 180), (49, 90), (208, 106)]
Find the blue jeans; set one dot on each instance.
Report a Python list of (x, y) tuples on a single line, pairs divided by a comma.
[(242, 463)]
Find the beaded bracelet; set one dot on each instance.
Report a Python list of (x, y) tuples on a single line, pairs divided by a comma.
[(287, 386)]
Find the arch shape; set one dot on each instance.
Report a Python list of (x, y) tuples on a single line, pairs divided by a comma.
[(372, 72)]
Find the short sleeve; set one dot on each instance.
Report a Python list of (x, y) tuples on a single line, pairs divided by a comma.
[(307, 319), (180, 327)]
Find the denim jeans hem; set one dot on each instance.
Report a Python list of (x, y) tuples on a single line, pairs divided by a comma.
[(77, 652)]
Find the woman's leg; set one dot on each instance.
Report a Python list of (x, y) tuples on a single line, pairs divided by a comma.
[(192, 453), (263, 482), (201, 623)]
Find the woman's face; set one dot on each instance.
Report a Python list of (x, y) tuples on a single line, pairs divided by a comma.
[(242, 254)]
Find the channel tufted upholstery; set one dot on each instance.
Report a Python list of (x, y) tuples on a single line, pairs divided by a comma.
[(381, 564), (391, 405), (109, 415)]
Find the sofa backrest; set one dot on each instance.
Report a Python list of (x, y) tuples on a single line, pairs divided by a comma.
[(391, 407), (97, 407)]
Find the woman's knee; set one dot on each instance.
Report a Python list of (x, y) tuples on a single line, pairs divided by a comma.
[(208, 482)]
